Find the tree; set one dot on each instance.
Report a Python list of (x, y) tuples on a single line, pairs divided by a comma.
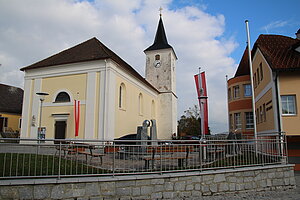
[(189, 123)]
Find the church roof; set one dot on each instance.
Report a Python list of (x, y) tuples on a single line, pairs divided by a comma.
[(279, 51), (160, 41), (89, 50), (11, 99)]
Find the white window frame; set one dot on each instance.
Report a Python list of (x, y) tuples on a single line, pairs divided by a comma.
[(245, 89), (237, 121), (287, 101), (249, 120), (236, 92)]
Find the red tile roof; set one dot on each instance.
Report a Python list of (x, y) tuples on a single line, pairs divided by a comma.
[(89, 50), (11, 99), (279, 51), (243, 68)]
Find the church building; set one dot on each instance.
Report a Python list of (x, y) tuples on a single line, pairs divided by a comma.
[(114, 98)]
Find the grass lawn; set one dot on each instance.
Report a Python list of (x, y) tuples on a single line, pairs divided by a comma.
[(12, 164)]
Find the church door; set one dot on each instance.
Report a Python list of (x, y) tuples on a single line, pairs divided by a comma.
[(60, 129)]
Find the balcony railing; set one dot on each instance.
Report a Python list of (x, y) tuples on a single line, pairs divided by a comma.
[(28, 158)]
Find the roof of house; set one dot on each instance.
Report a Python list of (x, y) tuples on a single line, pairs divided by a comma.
[(89, 50), (279, 51), (11, 99), (160, 41), (243, 68)]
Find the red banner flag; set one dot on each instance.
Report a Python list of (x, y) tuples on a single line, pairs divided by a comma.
[(202, 98), (76, 114)]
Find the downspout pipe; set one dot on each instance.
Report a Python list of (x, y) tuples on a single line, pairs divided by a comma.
[(277, 103)]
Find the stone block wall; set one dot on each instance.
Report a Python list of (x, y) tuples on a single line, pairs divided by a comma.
[(156, 186)]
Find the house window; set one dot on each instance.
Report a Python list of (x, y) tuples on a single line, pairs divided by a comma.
[(62, 97), (258, 79), (257, 116), (254, 80), (237, 121), (261, 72), (236, 92), (260, 115), (247, 90), (229, 94), (264, 112), (122, 96), (288, 104), (140, 104), (249, 120)]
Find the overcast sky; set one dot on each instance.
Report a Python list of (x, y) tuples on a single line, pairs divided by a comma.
[(203, 33)]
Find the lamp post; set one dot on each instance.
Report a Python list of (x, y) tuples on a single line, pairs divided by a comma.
[(42, 98)]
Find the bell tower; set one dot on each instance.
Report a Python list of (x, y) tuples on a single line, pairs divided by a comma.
[(161, 73)]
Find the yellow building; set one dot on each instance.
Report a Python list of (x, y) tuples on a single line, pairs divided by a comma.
[(276, 77), (114, 98), (10, 108)]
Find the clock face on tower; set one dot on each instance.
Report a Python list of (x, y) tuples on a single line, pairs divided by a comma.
[(157, 63)]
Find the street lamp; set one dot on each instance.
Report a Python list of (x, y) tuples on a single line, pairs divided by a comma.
[(42, 98)]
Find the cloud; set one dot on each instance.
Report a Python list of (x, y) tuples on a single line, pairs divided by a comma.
[(32, 30), (274, 25)]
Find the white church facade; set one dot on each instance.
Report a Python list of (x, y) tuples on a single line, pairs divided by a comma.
[(114, 98)]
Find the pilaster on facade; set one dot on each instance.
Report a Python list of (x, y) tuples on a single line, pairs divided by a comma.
[(90, 106)]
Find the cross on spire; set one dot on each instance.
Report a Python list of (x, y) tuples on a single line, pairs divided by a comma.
[(160, 10)]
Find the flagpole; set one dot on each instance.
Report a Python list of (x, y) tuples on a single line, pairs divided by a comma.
[(228, 104), (200, 103), (251, 79)]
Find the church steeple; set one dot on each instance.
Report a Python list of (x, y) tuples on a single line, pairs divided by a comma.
[(160, 41)]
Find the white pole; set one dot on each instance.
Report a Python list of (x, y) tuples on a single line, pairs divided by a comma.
[(227, 104), (251, 79), (200, 103)]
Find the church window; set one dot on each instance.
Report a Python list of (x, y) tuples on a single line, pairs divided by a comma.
[(122, 96), (140, 104), (62, 97), (153, 109), (157, 57)]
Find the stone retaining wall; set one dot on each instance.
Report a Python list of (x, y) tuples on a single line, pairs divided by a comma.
[(155, 186)]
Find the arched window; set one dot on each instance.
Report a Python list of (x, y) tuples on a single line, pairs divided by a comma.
[(153, 109), (122, 96), (62, 97), (141, 104)]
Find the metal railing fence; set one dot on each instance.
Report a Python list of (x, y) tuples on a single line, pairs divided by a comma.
[(28, 158)]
